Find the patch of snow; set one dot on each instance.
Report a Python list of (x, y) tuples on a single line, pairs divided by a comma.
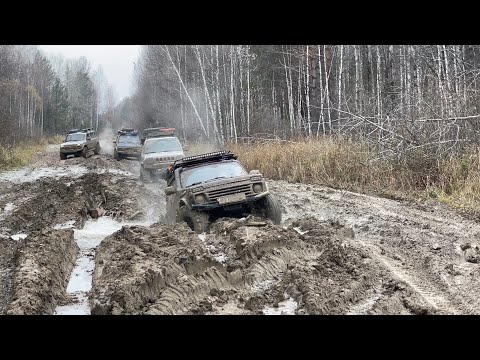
[(9, 207), (202, 236), (29, 175), (17, 237), (286, 307), (298, 230), (68, 225), (222, 258), (263, 285)]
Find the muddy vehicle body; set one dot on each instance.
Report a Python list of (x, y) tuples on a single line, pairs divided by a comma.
[(80, 143), (127, 144), (157, 155), (205, 187)]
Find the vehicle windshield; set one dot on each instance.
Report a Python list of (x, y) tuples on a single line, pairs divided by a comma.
[(198, 175), (75, 137), (129, 139), (162, 145)]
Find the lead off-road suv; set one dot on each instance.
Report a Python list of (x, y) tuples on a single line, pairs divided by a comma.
[(79, 143), (204, 187)]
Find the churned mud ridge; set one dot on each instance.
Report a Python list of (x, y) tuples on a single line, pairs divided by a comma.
[(151, 270), (429, 247), (42, 266), (56, 201), (243, 267)]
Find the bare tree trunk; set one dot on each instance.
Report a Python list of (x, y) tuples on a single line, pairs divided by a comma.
[(217, 91), (248, 89), (307, 87), (321, 119), (327, 87), (340, 70), (197, 115)]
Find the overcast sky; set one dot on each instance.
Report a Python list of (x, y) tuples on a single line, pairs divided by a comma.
[(116, 60)]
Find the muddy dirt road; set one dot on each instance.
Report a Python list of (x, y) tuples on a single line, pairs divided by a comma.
[(335, 253)]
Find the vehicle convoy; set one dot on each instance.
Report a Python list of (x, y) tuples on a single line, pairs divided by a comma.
[(157, 154), (127, 144), (204, 187), (80, 142)]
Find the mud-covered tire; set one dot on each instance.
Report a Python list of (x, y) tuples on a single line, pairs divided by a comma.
[(84, 152), (63, 156), (145, 175), (96, 151), (196, 220), (116, 155), (271, 208)]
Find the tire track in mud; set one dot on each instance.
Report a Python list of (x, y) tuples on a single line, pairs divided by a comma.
[(426, 290)]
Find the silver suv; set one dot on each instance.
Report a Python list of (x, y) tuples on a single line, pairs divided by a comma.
[(79, 143), (157, 155)]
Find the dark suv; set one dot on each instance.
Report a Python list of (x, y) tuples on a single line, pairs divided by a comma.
[(127, 144), (204, 187)]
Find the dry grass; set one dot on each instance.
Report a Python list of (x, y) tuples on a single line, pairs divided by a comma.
[(21, 154), (344, 164)]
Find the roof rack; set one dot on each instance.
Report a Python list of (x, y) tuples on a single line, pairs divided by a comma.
[(126, 131), (73, 131), (158, 131), (208, 157)]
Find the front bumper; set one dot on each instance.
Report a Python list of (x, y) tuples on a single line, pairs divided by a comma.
[(70, 150), (157, 166), (215, 205), (129, 152)]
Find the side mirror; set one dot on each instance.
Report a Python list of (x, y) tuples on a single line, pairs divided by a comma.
[(170, 190), (185, 147)]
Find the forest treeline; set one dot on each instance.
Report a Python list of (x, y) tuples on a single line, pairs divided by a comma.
[(44, 95), (397, 98)]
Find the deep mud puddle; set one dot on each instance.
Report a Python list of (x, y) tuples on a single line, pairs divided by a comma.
[(87, 239)]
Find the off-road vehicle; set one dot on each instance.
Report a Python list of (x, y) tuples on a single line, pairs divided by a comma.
[(204, 187), (157, 132), (127, 144), (79, 142), (157, 154)]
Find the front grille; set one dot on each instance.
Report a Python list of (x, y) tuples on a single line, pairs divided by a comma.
[(167, 158), (215, 194)]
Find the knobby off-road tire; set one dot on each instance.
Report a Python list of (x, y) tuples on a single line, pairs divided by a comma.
[(96, 151), (196, 220), (116, 155), (63, 156), (85, 152), (272, 209)]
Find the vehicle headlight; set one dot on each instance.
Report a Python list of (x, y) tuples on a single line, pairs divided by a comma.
[(258, 188), (200, 198)]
